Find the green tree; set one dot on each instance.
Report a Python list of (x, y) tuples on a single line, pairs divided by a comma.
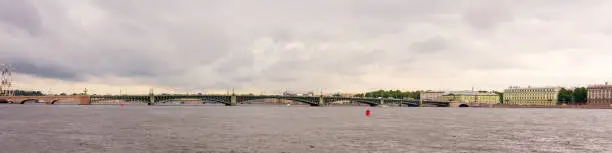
[(392, 94), (580, 95), (565, 96)]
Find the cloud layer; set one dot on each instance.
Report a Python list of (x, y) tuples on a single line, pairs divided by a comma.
[(275, 45)]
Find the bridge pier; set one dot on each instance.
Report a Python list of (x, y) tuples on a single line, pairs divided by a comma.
[(151, 99), (321, 101), (85, 100), (233, 101)]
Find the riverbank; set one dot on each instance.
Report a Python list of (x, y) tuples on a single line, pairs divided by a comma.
[(601, 106)]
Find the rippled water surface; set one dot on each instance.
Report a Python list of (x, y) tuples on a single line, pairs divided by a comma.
[(110, 128)]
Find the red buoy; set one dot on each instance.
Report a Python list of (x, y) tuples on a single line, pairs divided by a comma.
[(121, 105), (368, 112)]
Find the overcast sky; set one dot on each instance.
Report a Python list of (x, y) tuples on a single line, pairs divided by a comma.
[(275, 45)]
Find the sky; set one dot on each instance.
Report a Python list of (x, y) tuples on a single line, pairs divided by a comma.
[(270, 46)]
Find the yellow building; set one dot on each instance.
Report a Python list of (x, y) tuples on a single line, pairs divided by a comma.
[(472, 97), (432, 95), (531, 96)]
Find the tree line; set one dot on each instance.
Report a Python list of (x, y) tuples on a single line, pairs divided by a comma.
[(392, 94), (576, 96)]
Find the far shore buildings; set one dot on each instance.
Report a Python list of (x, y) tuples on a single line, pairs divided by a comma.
[(531, 96), (599, 94), (471, 97), (297, 93), (432, 95)]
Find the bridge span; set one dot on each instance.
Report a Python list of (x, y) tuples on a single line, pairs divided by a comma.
[(229, 100), (82, 99)]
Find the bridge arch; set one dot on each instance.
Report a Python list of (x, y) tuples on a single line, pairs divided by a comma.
[(165, 100), (218, 99), (98, 100), (58, 100), (464, 105), (371, 103), (26, 100), (313, 101)]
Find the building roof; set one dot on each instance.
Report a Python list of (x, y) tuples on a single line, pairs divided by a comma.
[(599, 86), (467, 93), (529, 87)]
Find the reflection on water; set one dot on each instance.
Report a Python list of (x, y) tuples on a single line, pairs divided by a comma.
[(280, 128)]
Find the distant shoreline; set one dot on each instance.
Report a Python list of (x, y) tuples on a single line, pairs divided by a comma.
[(599, 106)]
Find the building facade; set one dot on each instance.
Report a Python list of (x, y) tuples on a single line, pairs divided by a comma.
[(472, 97), (294, 93), (531, 96), (599, 94), (432, 95)]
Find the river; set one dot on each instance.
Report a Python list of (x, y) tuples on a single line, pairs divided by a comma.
[(137, 128)]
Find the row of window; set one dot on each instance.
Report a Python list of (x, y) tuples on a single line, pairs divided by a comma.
[(530, 103), (532, 90), (600, 94), (532, 96)]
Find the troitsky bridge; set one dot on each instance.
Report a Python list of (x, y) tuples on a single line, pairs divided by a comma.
[(229, 100)]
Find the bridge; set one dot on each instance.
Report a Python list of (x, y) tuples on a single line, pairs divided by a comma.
[(82, 99), (229, 100)]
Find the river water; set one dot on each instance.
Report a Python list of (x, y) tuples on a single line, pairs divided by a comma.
[(136, 128)]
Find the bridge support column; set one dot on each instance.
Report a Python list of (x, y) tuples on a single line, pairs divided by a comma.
[(382, 102), (420, 102), (151, 99), (85, 100), (321, 101), (233, 101)]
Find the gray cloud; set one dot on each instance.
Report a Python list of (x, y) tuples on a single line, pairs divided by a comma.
[(21, 14), (301, 44), (46, 71)]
